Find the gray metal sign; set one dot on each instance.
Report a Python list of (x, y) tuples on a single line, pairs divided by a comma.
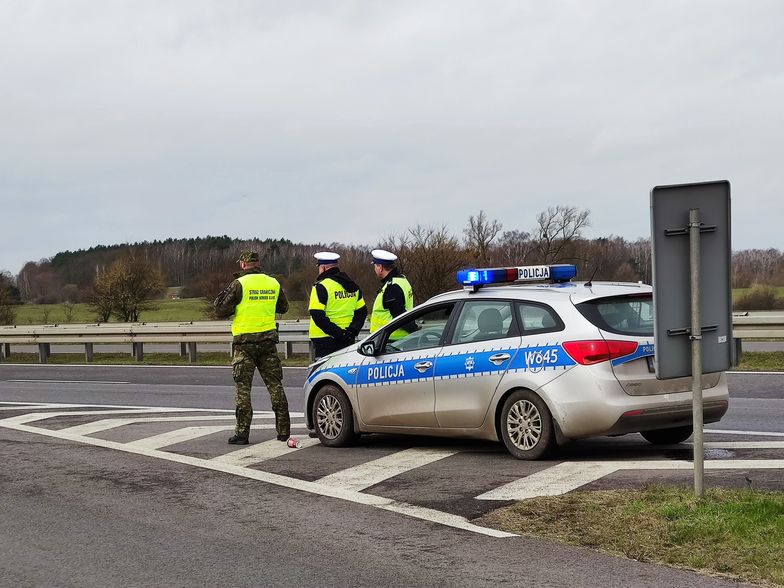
[(670, 229)]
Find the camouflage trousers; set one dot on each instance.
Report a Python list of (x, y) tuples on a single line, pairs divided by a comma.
[(247, 358)]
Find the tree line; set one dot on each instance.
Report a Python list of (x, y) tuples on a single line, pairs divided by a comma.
[(122, 280)]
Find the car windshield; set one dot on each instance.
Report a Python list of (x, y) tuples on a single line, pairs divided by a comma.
[(625, 315)]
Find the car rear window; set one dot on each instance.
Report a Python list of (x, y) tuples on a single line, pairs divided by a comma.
[(625, 315)]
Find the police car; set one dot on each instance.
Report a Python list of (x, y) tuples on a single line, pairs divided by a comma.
[(521, 355)]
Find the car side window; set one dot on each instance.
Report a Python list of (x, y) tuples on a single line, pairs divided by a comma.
[(483, 320), (538, 318), (430, 327)]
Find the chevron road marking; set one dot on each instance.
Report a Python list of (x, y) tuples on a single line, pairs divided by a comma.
[(422, 513), (569, 476), (259, 452), (189, 433), (372, 472)]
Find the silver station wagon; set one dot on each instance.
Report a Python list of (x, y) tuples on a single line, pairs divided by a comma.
[(533, 364)]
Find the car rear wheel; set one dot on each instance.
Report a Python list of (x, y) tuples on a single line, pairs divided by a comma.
[(527, 426), (668, 436), (333, 417)]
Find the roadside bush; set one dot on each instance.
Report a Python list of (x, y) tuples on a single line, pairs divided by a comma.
[(760, 297)]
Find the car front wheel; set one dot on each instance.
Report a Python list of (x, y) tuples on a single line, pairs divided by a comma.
[(668, 436), (333, 417), (527, 426)]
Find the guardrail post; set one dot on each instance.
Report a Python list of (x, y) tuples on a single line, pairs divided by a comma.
[(88, 352), (7, 347), (289, 349), (311, 351), (192, 352), (183, 350), (43, 352), (138, 351), (737, 351)]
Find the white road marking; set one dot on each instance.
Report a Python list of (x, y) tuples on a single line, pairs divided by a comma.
[(67, 381), (554, 481), (262, 451), (569, 473), (372, 472), (435, 516), (745, 444), (749, 433), (188, 433), (106, 424)]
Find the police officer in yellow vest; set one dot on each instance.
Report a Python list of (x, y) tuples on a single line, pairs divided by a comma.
[(394, 297), (254, 298), (337, 309)]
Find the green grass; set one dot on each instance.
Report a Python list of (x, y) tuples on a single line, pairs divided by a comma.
[(738, 292), (179, 310), (761, 361), (739, 533)]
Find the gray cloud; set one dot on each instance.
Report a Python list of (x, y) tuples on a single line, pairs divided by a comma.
[(348, 121)]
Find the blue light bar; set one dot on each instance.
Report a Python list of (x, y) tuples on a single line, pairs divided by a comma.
[(527, 273)]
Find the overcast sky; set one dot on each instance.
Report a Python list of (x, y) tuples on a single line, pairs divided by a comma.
[(339, 121)]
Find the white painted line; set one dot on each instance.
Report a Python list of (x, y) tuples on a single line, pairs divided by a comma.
[(67, 382), (106, 424), (569, 473), (745, 444), (188, 433), (98, 426), (441, 518), (372, 472), (554, 481), (749, 433), (262, 451)]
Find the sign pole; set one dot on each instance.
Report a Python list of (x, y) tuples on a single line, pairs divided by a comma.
[(696, 350)]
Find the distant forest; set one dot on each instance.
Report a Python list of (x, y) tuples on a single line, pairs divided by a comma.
[(430, 256)]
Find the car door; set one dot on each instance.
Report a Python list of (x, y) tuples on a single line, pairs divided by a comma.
[(482, 345), (395, 387)]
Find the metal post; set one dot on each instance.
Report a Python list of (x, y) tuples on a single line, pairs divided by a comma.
[(43, 352), (183, 349), (7, 352), (192, 352), (138, 351), (88, 352), (696, 350)]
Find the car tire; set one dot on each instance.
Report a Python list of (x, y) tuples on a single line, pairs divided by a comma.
[(527, 426), (668, 436), (333, 417)]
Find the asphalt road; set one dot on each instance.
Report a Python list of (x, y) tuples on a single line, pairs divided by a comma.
[(77, 514)]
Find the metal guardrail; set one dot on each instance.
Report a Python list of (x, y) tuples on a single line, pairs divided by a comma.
[(186, 334), (189, 334)]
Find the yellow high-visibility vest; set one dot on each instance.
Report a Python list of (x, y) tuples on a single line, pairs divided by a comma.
[(256, 312), (381, 316), (339, 308)]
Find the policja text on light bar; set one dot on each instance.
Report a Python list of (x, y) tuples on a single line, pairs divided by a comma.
[(527, 273)]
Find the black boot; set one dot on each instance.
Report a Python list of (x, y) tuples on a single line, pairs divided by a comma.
[(238, 440), (283, 437)]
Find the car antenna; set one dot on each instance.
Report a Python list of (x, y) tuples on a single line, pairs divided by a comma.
[(589, 283)]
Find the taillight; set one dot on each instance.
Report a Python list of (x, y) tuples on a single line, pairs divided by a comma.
[(598, 350)]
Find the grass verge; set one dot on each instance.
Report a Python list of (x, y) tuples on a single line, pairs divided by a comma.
[(761, 361), (738, 533)]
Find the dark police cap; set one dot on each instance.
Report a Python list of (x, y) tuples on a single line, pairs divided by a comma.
[(248, 255)]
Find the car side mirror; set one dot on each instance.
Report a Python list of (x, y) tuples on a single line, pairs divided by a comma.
[(368, 348)]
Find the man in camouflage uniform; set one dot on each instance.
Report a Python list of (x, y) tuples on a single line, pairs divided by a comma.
[(254, 298)]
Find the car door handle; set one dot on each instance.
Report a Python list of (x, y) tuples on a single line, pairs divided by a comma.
[(499, 358), (423, 366)]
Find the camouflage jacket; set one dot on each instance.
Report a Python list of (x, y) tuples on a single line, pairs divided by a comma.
[(231, 296)]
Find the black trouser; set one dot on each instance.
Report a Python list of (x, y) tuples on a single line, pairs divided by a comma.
[(325, 345)]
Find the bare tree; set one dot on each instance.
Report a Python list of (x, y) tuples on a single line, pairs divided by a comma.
[(479, 235), (514, 247), (557, 227), (7, 308), (430, 258), (128, 286)]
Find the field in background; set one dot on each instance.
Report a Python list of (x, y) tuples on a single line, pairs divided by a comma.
[(179, 310)]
